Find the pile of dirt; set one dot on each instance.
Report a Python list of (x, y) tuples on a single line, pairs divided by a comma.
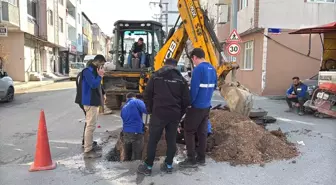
[(239, 140), (235, 139)]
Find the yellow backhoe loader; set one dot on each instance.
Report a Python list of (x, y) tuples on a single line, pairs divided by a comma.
[(192, 24)]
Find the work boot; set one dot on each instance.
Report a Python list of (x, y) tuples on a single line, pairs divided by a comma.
[(301, 113), (200, 161), (92, 154), (145, 169), (94, 143), (143, 66), (188, 164), (166, 168)]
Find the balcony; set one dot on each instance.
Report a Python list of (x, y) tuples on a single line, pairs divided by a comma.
[(10, 15), (71, 21)]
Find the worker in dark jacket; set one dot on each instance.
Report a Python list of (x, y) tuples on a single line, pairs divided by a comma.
[(133, 127), (91, 100), (166, 97), (298, 94), (203, 84)]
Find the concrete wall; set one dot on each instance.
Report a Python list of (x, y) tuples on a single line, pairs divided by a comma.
[(284, 63), (62, 14), (79, 28), (246, 17), (295, 14), (14, 65)]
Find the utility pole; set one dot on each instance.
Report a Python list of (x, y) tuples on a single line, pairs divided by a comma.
[(233, 25), (162, 13)]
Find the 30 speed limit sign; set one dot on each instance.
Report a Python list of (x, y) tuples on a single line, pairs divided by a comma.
[(233, 49)]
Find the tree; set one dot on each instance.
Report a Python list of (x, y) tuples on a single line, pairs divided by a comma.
[(3, 56)]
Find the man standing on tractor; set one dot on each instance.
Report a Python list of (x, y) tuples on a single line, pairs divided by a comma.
[(138, 51), (167, 98), (297, 93)]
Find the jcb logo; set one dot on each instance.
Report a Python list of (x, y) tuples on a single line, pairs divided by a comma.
[(171, 50)]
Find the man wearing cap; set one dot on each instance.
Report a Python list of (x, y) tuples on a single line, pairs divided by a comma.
[(91, 100), (166, 97)]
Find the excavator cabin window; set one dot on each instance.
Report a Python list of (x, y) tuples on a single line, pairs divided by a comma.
[(125, 38)]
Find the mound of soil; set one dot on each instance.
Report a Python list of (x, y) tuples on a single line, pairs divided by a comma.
[(235, 139), (239, 140)]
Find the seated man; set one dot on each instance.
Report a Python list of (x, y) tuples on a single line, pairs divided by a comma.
[(133, 127), (137, 52), (297, 93)]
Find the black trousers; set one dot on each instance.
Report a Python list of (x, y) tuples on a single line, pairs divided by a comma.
[(156, 127), (196, 123), (301, 101), (133, 146), (82, 107)]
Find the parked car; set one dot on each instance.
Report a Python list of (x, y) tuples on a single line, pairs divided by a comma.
[(312, 84), (75, 68), (6, 87)]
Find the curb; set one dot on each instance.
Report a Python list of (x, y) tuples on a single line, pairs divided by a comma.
[(41, 84)]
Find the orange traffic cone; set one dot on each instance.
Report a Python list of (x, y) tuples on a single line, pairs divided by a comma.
[(42, 159)]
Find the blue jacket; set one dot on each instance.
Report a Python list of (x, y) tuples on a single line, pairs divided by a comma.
[(91, 94), (131, 114), (301, 90), (203, 84), (209, 127)]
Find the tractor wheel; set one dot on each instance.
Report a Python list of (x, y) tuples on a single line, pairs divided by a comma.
[(113, 102)]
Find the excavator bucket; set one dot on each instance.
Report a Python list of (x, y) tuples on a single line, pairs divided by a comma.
[(238, 98)]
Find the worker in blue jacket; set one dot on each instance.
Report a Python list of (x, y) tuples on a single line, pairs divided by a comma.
[(203, 84), (298, 94), (133, 127), (91, 100)]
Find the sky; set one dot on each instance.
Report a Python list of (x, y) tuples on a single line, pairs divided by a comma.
[(106, 12)]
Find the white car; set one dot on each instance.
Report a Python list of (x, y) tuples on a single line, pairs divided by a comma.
[(6, 87), (75, 68)]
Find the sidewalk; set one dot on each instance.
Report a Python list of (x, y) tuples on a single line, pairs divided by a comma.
[(19, 86)]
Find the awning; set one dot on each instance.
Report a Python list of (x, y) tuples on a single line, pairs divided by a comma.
[(331, 27)]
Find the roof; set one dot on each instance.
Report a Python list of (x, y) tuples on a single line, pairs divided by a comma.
[(86, 17), (331, 27), (137, 22)]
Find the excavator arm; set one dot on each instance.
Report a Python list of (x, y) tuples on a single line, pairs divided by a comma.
[(195, 26)]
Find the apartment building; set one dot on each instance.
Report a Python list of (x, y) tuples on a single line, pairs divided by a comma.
[(87, 35), (73, 22), (269, 56), (99, 40), (34, 36)]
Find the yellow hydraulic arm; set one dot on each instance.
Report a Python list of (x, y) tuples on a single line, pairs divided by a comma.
[(195, 26)]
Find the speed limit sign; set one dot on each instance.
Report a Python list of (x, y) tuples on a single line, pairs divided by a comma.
[(233, 49)]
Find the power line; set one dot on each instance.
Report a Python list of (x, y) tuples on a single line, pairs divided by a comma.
[(283, 45)]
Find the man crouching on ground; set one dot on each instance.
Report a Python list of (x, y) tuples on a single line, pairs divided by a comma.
[(91, 100), (133, 127)]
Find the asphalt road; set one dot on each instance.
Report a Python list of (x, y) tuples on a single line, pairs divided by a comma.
[(19, 121)]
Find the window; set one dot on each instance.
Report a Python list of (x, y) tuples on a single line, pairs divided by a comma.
[(13, 2), (243, 4), (248, 56), (61, 2), (322, 1), (78, 17), (31, 8), (61, 24), (50, 17)]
